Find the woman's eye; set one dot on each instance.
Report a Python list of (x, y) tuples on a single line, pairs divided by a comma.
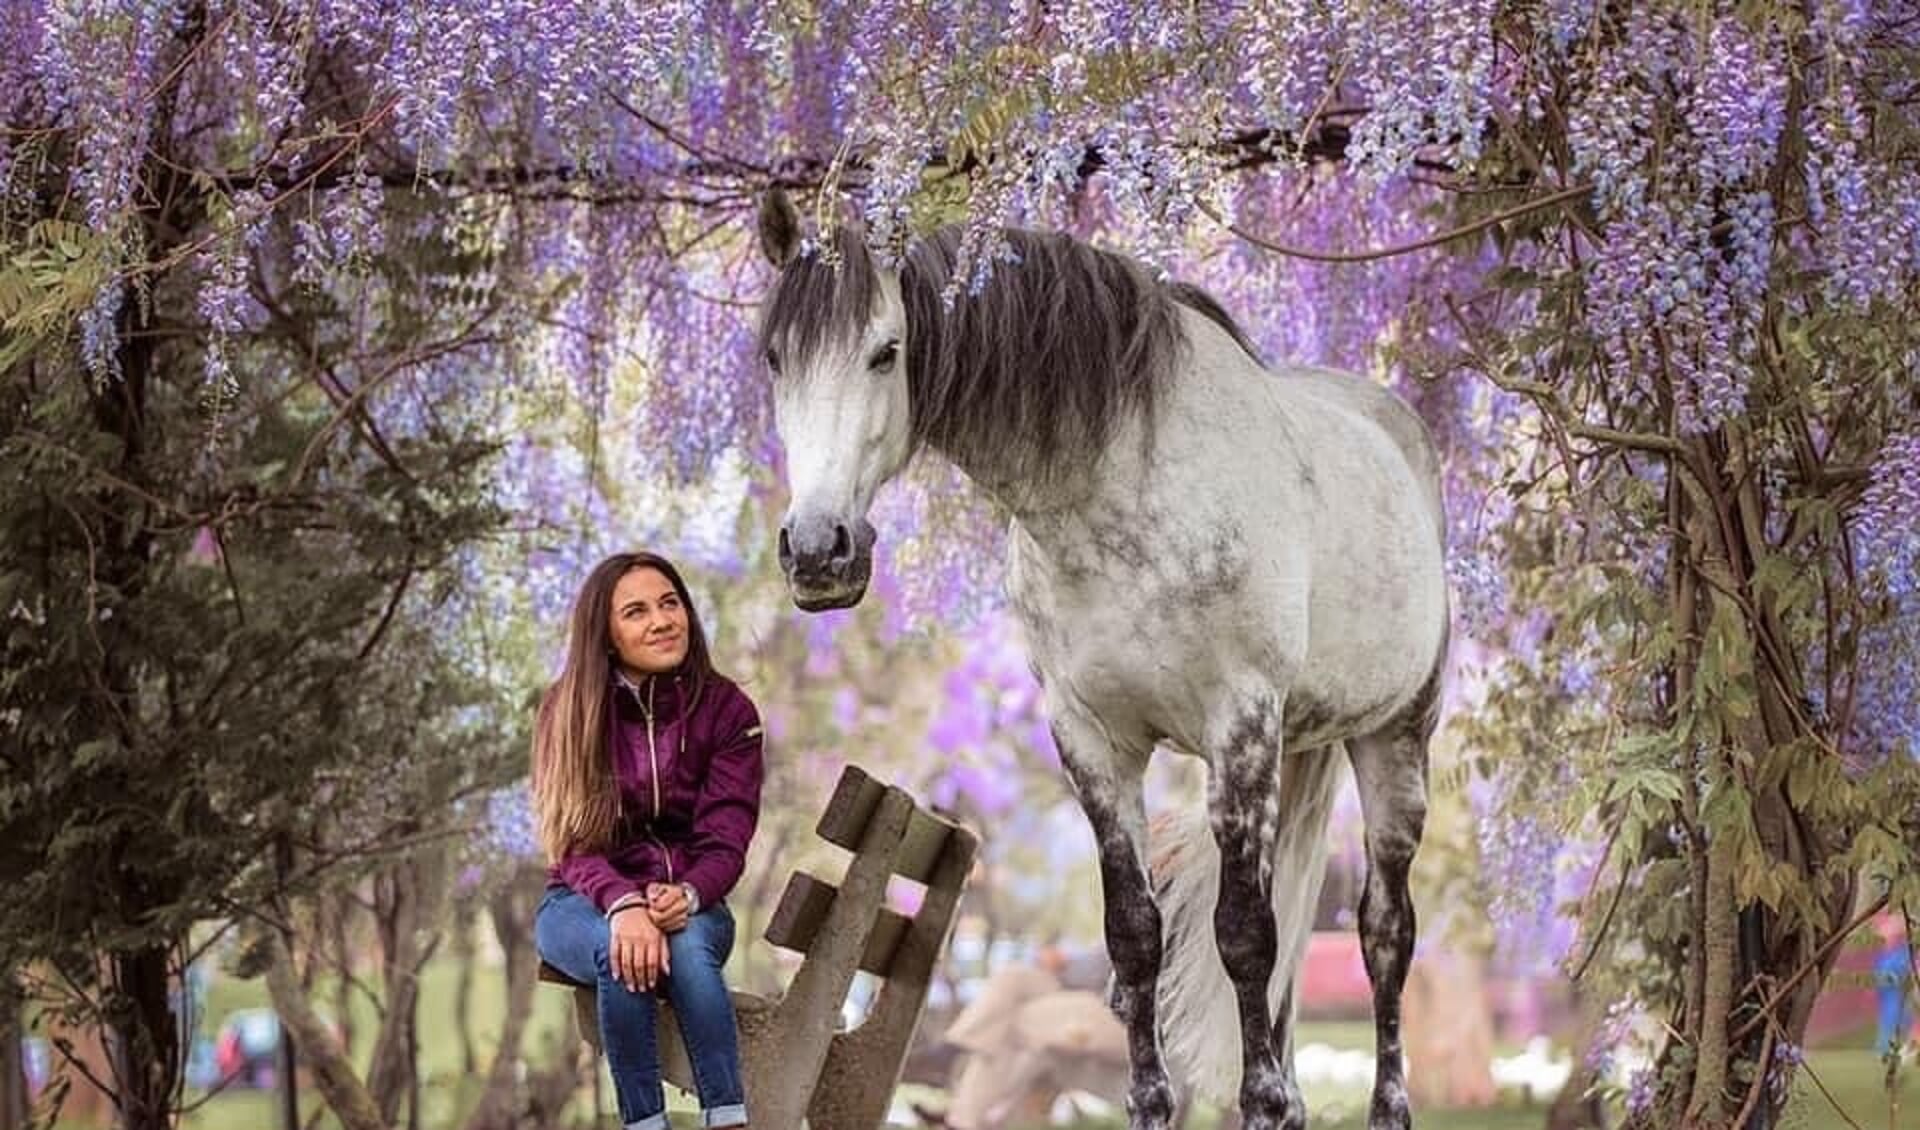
[(883, 358), (773, 360)]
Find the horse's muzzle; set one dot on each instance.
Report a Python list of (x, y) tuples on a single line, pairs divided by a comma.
[(827, 562)]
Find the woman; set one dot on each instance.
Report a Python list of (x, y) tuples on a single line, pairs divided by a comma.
[(647, 773)]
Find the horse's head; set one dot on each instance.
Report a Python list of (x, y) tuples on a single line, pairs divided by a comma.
[(834, 335)]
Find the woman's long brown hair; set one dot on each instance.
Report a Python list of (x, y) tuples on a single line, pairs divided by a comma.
[(576, 797)]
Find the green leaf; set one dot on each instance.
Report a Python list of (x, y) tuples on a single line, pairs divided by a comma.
[(989, 120)]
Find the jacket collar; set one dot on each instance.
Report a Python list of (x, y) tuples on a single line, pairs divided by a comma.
[(663, 695)]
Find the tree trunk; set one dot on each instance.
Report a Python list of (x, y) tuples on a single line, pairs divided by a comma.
[(1449, 1033), (148, 1036), (13, 1075), (1577, 1107), (340, 928), (139, 1012), (406, 898), (466, 958), (511, 912), (333, 1074), (1737, 955)]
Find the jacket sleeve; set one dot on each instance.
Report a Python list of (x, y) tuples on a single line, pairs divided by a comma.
[(728, 808), (595, 877)]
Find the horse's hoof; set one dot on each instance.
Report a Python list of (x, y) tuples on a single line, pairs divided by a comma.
[(1269, 1100), (1273, 1116)]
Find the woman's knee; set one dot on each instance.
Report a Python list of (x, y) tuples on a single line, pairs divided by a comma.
[(697, 950), (710, 931), (567, 930)]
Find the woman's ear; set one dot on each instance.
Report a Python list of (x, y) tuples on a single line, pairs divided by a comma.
[(779, 227)]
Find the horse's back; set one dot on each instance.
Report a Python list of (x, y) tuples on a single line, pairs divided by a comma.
[(1379, 406), (1292, 516)]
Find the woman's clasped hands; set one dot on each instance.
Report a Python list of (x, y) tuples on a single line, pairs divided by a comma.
[(638, 949)]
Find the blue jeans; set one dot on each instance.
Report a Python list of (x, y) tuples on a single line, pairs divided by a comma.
[(572, 936)]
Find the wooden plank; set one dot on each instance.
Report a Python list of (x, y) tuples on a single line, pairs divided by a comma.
[(554, 977), (797, 917), (849, 808), (888, 928), (921, 847), (803, 909), (853, 803)]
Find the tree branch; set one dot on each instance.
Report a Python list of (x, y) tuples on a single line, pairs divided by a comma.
[(1549, 201), (1548, 400), (1812, 963), (386, 617)]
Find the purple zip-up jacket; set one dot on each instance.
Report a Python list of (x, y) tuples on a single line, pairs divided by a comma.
[(689, 801)]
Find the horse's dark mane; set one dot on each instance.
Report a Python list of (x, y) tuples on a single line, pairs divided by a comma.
[(1035, 371)]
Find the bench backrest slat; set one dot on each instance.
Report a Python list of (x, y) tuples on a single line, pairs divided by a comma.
[(803, 908), (853, 802)]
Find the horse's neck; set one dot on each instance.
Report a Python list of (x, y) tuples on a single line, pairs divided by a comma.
[(1215, 391), (1024, 499), (1219, 418)]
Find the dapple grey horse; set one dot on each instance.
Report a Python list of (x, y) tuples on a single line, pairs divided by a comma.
[(1243, 564)]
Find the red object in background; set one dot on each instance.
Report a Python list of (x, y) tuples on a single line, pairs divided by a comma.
[(247, 1047), (227, 1058), (1847, 1004), (1333, 978)]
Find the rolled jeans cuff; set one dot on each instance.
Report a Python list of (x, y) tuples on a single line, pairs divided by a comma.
[(734, 1114), (650, 1122)]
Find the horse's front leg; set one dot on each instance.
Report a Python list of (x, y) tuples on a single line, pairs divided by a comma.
[(1243, 795), (1108, 784)]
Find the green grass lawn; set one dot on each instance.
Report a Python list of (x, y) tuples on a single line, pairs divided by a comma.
[(1854, 1076), (1851, 1073), (450, 1089)]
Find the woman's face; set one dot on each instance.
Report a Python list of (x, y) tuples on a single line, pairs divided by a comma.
[(647, 623)]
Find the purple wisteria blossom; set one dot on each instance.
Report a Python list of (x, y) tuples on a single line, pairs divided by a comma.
[(1888, 709)]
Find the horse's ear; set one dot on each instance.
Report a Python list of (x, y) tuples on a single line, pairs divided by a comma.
[(779, 227)]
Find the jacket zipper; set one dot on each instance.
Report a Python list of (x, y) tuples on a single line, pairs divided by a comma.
[(653, 761)]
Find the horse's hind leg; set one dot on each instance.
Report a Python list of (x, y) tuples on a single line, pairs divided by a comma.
[(1390, 767), (1243, 799), (1108, 784)]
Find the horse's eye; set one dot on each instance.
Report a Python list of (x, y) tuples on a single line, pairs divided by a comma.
[(773, 360), (883, 358)]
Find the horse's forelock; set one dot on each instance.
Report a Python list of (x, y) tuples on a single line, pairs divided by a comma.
[(820, 299)]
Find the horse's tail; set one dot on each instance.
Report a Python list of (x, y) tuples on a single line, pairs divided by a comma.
[(1199, 1022)]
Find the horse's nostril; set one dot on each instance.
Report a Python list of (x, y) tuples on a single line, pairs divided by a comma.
[(842, 542), (786, 548)]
